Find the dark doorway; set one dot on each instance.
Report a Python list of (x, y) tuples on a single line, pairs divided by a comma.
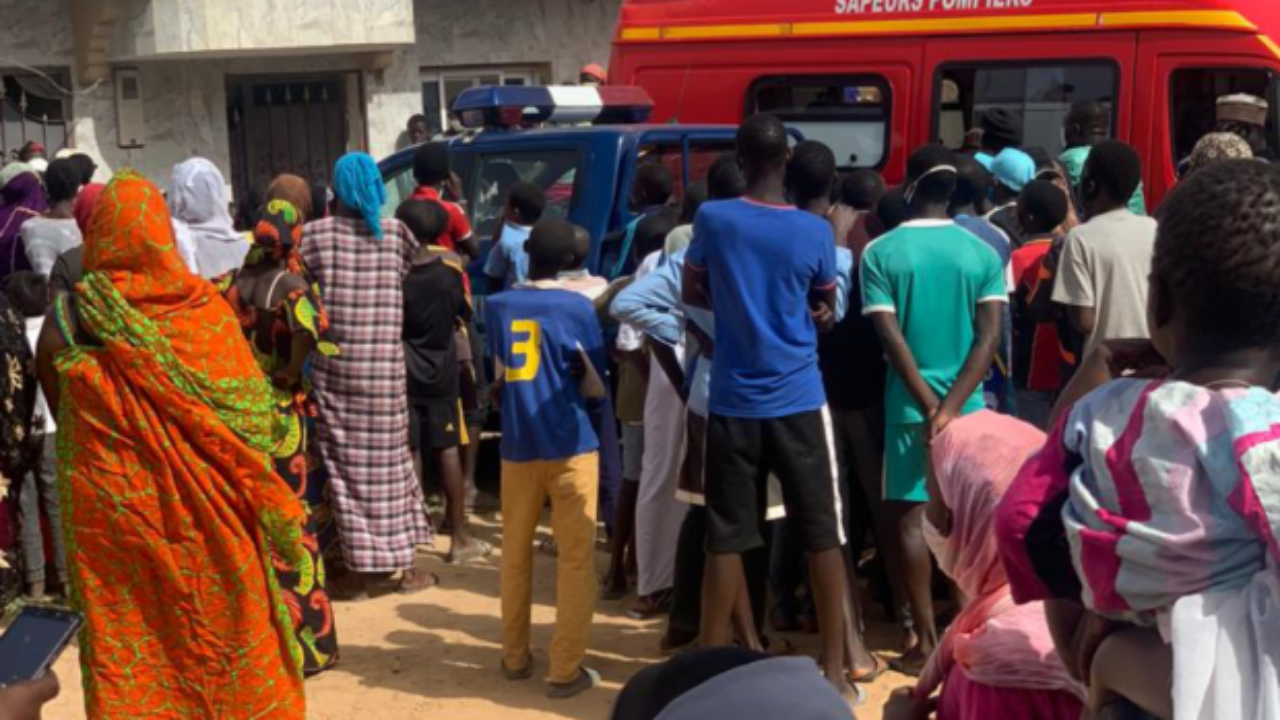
[(293, 124)]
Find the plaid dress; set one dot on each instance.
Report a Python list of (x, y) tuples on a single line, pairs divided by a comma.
[(363, 428)]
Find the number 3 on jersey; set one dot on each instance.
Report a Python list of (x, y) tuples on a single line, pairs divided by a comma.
[(529, 350)]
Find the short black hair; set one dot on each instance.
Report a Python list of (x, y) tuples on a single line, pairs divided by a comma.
[(551, 243), (725, 180), (652, 231), (892, 209), (653, 184), (62, 180), (1088, 117), (1045, 202), (1116, 168), (88, 168), (528, 201), (415, 119), (1039, 156), (426, 219), (762, 142), (861, 189), (1218, 253), (1001, 129), (431, 164), (973, 182), (694, 196), (812, 171), (29, 293), (937, 187)]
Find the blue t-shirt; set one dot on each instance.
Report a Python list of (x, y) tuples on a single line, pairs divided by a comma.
[(534, 333), (507, 259), (763, 262)]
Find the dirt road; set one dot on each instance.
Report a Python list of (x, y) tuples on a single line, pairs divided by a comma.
[(435, 655)]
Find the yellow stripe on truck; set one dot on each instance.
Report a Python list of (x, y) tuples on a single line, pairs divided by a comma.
[(1194, 18), (1270, 45), (1224, 19)]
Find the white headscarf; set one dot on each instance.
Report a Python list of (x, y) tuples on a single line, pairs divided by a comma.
[(207, 239)]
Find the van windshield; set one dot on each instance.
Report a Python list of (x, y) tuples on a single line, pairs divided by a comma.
[(1037, 94)]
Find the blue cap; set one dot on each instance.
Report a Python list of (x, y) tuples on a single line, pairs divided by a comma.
[(1013, 169)]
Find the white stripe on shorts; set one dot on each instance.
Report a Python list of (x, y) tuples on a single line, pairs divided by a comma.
[(829, 431)]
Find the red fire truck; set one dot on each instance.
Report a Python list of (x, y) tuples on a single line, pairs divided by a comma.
[(876, 78)]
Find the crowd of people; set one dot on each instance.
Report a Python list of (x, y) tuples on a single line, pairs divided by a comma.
[(1037, 424)]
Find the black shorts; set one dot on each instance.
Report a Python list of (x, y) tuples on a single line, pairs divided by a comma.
[(436, 425), (800, 451)]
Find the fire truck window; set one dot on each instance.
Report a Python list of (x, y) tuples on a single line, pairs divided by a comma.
[(849, 114), (701, 154), (555, 171), (1194, 94), (1040, 94)]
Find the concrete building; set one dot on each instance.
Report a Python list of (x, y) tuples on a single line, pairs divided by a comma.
[(262, 87)]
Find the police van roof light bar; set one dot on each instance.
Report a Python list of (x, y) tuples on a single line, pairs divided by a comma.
[(511, 106)]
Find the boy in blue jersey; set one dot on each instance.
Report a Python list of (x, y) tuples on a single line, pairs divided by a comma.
[(548, 355), (760, 264)]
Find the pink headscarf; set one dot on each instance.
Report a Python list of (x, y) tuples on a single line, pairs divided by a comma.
[(995, 642)]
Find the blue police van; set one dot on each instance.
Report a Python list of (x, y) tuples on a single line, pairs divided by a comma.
[(580, 145)]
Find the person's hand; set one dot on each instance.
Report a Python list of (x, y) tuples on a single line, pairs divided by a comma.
[(453, 189), (939, 419), (824, 318), (285, 380), (24, 700), (902, 705), (1132, 358), (842, 219), (577, 365)]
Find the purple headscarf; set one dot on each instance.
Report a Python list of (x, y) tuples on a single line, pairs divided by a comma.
[(23, 198)]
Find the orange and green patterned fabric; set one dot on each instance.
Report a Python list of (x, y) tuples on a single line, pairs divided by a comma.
[(171, 506)]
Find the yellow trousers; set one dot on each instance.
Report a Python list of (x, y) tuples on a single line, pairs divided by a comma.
[(572, 485)]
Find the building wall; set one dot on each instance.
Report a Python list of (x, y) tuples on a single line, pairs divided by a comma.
[(566, 34), (184, 100), (152, 28)]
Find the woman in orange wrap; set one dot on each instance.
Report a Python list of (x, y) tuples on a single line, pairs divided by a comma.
[(173, 509)]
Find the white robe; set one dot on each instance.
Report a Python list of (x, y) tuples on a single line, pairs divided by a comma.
[(658, 513)]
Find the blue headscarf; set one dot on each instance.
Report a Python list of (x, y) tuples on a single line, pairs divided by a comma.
[(358, 184)]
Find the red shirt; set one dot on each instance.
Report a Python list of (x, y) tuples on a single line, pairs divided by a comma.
[(459, 228), (1045, 371)]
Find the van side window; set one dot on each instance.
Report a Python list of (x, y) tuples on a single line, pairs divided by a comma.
[(557, 172), (1194, 94), (848, 113), (1039, 93), (702, 153)]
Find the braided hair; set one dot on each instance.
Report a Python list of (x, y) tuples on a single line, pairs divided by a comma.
[(1218, 253)]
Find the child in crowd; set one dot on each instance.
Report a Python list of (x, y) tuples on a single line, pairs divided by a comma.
[(28, 292), (548, 355), (651, 189), (508, 262), (578, 278), (431, 168), (936, 294), (1042, 207), (436, 303), (1149, 520)]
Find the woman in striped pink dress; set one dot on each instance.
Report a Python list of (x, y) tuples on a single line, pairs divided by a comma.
[(360, 261)]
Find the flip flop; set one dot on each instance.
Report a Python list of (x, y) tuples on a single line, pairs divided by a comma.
[(416, 581), (910, 669), (882, 666), (477, 550)]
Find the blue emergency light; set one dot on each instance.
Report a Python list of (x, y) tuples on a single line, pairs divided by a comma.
[(510, 106)]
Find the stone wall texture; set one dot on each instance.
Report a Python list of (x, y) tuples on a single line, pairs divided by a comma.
[(184, 98)]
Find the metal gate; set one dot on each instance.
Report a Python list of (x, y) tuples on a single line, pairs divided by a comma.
[(285, 125), (33, 109)]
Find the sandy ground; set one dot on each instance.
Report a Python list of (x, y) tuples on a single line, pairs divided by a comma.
[(435, 654)]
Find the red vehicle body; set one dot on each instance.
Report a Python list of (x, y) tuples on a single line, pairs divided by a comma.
[(877, 78)]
